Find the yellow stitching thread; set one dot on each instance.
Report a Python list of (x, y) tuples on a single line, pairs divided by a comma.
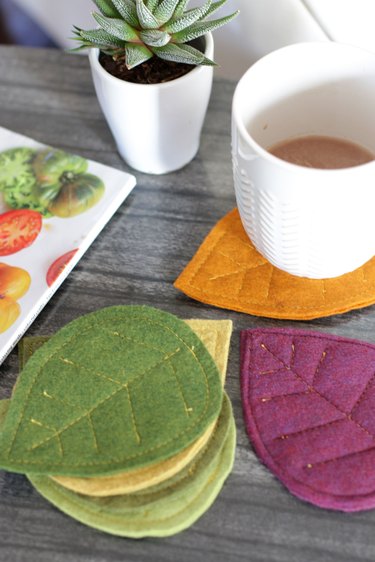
[(313, 389), (92, 427), (187, 409), (93, 408), (55, 434), (319, 366), (65, 402), (137, 342), (110, 379), (236, 298), (135, 428)]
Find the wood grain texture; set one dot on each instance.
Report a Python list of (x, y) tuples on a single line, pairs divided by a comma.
[(49, 96)]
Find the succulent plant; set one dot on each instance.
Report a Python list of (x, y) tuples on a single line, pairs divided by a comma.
[(137, 30)]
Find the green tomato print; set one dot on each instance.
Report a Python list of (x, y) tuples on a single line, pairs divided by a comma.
[(77, 196)]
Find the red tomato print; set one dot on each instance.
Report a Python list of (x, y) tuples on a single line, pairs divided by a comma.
[(18, 229), (58, 266)]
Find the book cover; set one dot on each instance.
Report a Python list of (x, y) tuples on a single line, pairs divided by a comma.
[(53, 205)]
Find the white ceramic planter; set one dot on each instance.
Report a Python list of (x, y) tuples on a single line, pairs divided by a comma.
[(308, 222), (156, 127)]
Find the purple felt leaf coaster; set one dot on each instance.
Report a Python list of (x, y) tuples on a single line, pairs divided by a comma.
[(309, 407)]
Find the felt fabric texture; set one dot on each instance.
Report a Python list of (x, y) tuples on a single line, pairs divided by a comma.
[(135, 480), (4, 407), (309, 408), (215, 334), (163, 510), (228, 272), (115, 390)]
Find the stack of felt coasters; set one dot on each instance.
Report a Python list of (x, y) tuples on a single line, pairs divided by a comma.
[(121, 421)]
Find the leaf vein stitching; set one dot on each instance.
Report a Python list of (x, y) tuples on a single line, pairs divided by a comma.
[(161, 444), (93, 408), (313, 389)]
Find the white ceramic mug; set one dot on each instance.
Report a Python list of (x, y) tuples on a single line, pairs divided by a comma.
[(309, 222)]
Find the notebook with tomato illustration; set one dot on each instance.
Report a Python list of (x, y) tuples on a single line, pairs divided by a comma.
[(53, 204)]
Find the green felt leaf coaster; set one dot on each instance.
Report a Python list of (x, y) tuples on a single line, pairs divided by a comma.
[(163, 510), (114, 390)]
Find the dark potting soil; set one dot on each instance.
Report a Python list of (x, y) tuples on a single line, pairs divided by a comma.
[(153, 71)]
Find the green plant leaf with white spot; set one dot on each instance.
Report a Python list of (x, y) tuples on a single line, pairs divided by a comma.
[(154, 37), (180, 8), (165, 10), (117, 27), (136, 54), (100, 38), (188, 18), (127, 9), (182, 54), (200, 28), (151, 25), (106, 8), (146, 18)]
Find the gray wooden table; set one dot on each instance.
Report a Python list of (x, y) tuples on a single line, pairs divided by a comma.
[(49, 96)]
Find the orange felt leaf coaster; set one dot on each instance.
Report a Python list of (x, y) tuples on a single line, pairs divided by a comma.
[(227, 271)]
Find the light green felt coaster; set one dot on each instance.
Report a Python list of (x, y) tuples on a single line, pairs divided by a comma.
[(163, 510), (114, 390)]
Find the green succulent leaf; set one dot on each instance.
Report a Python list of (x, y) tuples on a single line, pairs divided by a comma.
[(151, 4), (135, 25), (154, 37), (182, 54), (146, 17), (116, 27), (82, 47), (180, 8), (100, 37), (165, 10), (136, 54), (128, 11), (215, 6), (106, 8), (201, 28), (188, 18)]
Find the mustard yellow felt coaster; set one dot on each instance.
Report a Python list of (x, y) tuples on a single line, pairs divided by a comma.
[(115, 390), (163, 510), (215, 334), (228, 272)]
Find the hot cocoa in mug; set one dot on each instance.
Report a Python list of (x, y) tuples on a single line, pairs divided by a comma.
[(325, 153), (303, 147)]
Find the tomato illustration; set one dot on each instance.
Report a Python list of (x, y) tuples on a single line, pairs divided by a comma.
[(77, 195), (14, 283), (9, 312), (58, 266), (18, 229)]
